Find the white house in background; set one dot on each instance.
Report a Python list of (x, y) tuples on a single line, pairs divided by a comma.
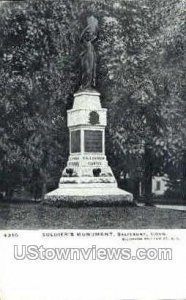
[(159, 184)]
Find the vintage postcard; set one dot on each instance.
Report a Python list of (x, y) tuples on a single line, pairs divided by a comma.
[(92, 149)]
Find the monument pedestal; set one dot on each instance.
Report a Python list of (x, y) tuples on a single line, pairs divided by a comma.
[(87, 176)]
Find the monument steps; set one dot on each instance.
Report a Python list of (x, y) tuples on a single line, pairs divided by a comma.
[(89, 197)]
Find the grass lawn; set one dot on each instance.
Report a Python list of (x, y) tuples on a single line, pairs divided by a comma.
[(38, 216)]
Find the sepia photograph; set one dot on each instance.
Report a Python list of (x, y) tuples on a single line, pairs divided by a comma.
[(92, 114)]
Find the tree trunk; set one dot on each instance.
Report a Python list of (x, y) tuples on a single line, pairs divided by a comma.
[(148, 175), (44, 190), (184, 177), (8, 193), (44, 184)]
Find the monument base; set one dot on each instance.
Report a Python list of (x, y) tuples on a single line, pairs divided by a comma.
[(89, 195), (87, 177)]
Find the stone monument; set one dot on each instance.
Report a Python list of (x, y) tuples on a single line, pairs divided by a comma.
[(87, 176)]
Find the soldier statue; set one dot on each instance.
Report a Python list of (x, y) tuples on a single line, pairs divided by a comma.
[(88, 55)]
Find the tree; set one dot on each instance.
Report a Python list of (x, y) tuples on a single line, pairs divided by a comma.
[(36, 81), (140, 76)]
